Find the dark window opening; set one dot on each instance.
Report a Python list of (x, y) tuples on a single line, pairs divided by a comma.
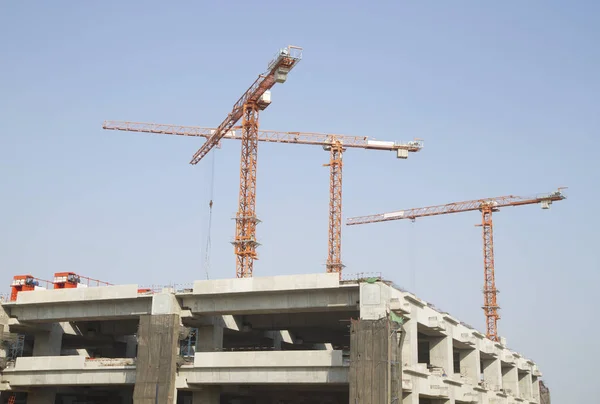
[(456, 360), (423, 350)]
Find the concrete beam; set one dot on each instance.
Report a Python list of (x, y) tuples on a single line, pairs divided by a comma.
[(293, 375), (81, 310), (268, 359), (267, 284), (340, 299), (68, 371), (299, 320)]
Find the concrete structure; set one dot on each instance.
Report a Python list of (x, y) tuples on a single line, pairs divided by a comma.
[(270, 340)]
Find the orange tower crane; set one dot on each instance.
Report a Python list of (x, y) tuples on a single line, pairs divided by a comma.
[(333, 143), (486, 207), (256, 98)]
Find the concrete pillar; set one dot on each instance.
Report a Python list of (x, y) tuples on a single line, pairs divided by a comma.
[(469, 365), (41, 396), (156, 360), (410, 345), (208, 395), (525, 385), (209, 338), (158, 343), (3, 331), (412, 398), (535, 388), (130, 346), (441, 353), (492, 374), (510, 380), (276, 337), (325, 346), (48, 343)]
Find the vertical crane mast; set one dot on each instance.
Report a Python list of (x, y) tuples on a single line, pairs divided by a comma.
[(486, 206), (245, 221), (490, 293), (247, 107), (334, 250), (336, 144)]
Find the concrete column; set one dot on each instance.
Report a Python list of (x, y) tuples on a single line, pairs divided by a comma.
[(412, 398), (525, 385), (131, 346), (441, 353), (41, 396), (48, 343), (276, 337), (535, 388), (209, 338), (492, 374), (3, 331), (510, 380), (325, 346), (158, 343), (410, 345), (469, 365), (208, 395)]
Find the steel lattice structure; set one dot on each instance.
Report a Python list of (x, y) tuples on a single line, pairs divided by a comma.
[(486, 206), (336, 144)]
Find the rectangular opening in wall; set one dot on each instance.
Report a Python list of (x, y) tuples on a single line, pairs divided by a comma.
[(423, 352), (456, 360)]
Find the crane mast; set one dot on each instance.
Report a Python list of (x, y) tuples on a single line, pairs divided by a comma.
[(490, 293), (487, 207), (336, 144), (256, 98), (250, 103), (334, 250)]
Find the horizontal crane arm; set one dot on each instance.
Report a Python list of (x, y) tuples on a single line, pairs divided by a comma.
[(278, 68), (465, 206), (310, 138)]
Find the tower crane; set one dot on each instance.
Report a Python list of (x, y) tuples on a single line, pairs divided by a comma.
[(335, 144), (256, 98), (486, 207)]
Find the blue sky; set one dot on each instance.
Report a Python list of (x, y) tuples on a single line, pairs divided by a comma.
[(504, 94)]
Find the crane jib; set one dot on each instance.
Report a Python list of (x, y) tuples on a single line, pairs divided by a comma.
[(278, 69)]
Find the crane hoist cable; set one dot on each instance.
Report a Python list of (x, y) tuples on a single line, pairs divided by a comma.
[(210, 206)]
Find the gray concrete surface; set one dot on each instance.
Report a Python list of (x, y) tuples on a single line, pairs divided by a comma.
[(253, 337)]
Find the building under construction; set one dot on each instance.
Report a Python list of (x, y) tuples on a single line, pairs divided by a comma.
[(319, 339), (264, 340)]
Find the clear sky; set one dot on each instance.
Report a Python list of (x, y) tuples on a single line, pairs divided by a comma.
[(504, 93)]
